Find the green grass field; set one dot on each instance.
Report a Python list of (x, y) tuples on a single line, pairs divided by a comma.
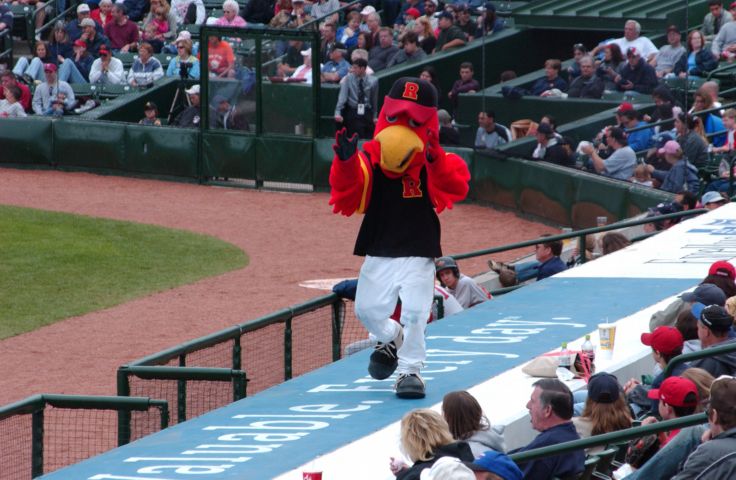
[(55, 265)]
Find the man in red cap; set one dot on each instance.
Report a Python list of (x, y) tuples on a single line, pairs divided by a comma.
[(678, 397), (50, 91), (636, 75), (666, 343)]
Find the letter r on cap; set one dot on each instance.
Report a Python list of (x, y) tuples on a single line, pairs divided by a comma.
[(410, 90)]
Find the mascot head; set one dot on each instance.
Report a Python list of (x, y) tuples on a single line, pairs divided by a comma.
[(406, 121)]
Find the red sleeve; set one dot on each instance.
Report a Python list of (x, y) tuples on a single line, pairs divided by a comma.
[(350, 182), (448, 180), (25, 97)]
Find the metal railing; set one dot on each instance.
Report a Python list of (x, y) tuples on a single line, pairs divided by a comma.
[(610, 438), (705, 353), (339, 11), (580, 234), (18, 432)]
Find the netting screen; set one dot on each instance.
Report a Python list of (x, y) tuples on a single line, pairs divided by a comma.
[(15, 447), (201, 397)]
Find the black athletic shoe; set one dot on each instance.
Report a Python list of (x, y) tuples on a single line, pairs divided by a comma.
[(409, 385), (383, 361)]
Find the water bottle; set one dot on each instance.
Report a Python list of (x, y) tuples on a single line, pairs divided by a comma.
[(589, 352), (564, 357)]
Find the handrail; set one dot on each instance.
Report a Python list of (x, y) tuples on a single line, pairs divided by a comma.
[(183, 373), (671, 120), (610, 438), (338, 11), (705, 353), (579, 233)]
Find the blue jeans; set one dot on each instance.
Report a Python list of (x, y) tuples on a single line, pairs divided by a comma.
[(33, 69), (526, 271), (68, 72), (666, 462)]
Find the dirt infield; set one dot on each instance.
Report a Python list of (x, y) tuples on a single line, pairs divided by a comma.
[(289, 237)]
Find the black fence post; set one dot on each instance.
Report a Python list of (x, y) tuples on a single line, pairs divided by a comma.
[(37, 442)]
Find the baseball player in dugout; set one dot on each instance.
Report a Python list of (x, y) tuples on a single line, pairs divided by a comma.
[(399, 181)]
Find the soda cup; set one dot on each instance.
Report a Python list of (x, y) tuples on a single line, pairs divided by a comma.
[(312, 471), (607, 334)]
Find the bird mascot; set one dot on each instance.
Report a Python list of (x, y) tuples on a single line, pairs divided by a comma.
[(400, 180)]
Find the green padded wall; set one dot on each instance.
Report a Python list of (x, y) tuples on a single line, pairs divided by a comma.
[(26, 141)]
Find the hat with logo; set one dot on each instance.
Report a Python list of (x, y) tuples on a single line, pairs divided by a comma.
[(447, 468), (83, 8), (633, 52), (604, 388), (677, 392), (498, 464), (707, 294), (150, 106), (722, 268), (80, 43), (665, 340), (103, 50), (49, 67), (670, 148), (413, 12), (414, 96), (711, 197), (715, 317)]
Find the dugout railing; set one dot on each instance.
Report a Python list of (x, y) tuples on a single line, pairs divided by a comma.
[(613, 443), (705, 353), (46, 432)]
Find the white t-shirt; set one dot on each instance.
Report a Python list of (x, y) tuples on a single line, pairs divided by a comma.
[(642, 44)]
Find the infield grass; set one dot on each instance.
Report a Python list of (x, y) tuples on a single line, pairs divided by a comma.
[(56, 265)]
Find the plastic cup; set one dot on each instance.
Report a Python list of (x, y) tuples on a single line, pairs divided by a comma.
[(607, 334), (601, 221)]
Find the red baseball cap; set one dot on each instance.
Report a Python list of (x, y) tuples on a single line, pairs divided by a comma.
[(665, 340), (413, 12), (49, 67), (677, 392), (733, 5), (722, 268), (80, 43), (625, 107)]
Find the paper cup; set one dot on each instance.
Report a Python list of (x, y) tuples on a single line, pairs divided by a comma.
[(312, 475), (607, 335), (601, 221)]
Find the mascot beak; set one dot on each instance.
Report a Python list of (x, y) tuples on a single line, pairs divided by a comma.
[(399, 144)]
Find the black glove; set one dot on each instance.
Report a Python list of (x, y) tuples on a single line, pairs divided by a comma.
[(345, 147)]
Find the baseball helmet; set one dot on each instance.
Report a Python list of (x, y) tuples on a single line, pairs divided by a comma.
[(443, 263)]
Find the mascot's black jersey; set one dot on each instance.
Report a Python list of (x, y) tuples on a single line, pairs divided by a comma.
[(400, 220)]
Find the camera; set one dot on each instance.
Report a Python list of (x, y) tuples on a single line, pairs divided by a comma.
[(184, 69)]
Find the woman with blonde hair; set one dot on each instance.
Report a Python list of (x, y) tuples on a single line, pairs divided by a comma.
[(605, 408), (703, 380), (425, 33), (426, 437), (467, 422)]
